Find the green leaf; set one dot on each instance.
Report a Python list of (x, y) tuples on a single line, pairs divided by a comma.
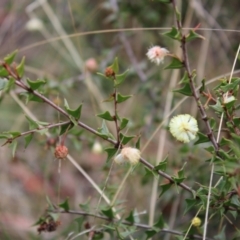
[(34, 85), (124, 122), (185, 78), (193, 35), (85, 206), (79, 221), (125, 139), (3, 83), (190, 203), (160, 223), (225, 142), (175, 64), (230, 86), (114, 66), (13, 146), (185, 90), (108, 212), (174, 34), (104, 132), (150, 233), (20, 68), (28, 139), (217, 107), (122, 98), (32, 124), (51, 207), (106, 115), (202, 88), (75, 113), (10, 57), (164, 188), (120, 78), (202, 138), (162, 165), (110, 99), (65, 127), (111, 152), (130, 217), (138, 143), (3, 72), (65, 205)]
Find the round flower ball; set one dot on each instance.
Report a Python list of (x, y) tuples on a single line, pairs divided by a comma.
[(183, 127), (196, 222)]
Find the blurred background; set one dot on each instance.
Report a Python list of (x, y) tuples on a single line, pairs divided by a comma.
[(67, 43)]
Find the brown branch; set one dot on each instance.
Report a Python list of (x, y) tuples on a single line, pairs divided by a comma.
[(86, 127), (139, 225), (192, 85)]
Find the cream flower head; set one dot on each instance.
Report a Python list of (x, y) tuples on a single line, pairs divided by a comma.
[(196, 222), (34, 24), (183, 127), (128, 155), (156, 54)]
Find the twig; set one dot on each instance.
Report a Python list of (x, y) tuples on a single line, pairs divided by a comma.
[(139, 225), (86, 127)]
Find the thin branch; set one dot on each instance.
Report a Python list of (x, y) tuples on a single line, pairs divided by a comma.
[(86, 127), (139, 225)]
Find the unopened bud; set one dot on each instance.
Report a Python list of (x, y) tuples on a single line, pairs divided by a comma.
[(97, 148), (109, 72), (91, 65), (61, 152)]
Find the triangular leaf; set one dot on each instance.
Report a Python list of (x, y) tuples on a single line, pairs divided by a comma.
[(111, 152), (65, 205), (175, 64), (185, 90), (106, 115), (122, 98), (124, 122), (114, 66), (34, 85), (174, 34), (193, 35), (76, 113), (65, 127), (202, 138), (108, 212), (20, 68), (10, 57), (3, 72), (125, 139), (28, 139), (164, 188), (120, 78)]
